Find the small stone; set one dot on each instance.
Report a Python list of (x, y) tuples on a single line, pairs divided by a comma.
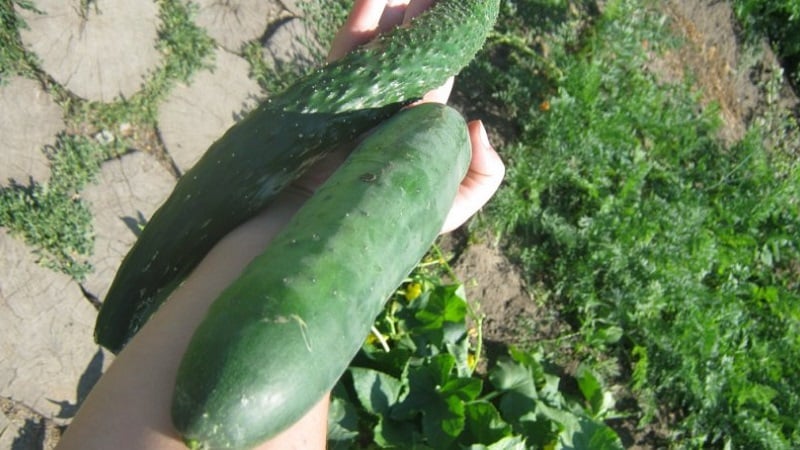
[(104, 137), (125, 129)]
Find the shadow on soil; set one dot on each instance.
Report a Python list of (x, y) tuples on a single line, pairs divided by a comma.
[(87, 380)]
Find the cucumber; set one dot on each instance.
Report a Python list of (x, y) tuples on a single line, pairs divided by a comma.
[(243, 170), (280, 336)]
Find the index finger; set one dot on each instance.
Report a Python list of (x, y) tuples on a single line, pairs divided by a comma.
[(361, 26)]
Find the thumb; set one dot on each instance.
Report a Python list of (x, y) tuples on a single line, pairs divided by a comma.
[(483, 178)]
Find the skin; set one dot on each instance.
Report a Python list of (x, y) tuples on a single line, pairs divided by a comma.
[(129, 408)]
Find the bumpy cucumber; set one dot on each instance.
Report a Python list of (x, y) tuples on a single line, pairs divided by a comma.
[(242, 171), (282, 334)]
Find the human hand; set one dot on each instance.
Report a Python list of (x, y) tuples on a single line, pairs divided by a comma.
[(367, 19)]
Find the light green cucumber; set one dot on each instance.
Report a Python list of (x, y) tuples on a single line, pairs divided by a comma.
[(280, 336), (243, 170)]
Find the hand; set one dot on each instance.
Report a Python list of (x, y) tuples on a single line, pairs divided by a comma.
[(367, 19)]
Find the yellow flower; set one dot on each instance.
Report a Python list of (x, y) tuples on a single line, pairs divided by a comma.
[(413, 290)]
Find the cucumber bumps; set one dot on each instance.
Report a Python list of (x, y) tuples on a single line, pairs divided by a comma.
[(279, 337), (243, 170)]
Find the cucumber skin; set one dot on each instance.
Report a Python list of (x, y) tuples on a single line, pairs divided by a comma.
[(275, 143), (280, 336)]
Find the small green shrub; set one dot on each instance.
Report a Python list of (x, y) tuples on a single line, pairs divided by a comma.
[(414, 385)]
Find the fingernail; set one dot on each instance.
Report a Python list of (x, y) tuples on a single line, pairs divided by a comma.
[(483, 136)]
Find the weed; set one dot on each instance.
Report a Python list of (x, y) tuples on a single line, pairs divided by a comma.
[(326, 18), (14, 60), (52, 217), (186, 49), (673, 252), (780, 21)]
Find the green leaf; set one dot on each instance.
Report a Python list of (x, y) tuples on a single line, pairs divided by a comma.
[(507, 443), (590, 434), (516, 383), (436, 394), (424, 382), (510, 376), (342, 423), (606, 335), (466, 389), (389, 433), (460, 350), (443, 421), (483, 424), (376, 391), (442, 305), (600, 401)]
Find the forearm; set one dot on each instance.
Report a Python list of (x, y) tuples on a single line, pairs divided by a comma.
[(130, 405)]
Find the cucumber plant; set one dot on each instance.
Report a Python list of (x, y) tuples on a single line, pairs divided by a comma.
[(421, 381)]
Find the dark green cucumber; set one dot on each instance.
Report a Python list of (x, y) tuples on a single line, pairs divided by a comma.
[(242, 171), (280, 336)]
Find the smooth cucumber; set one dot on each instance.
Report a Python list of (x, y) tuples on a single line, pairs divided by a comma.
[(280, 336), (243, 170)]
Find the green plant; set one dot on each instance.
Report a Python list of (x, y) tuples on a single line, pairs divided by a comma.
[(414, 384), (51, 216), (676, 255), (186, 49), (326, 18), (779, 20), (14, 60)]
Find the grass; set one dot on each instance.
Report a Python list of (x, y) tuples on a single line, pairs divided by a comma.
[(779, 21), (326, 20), (13, 58), (52, 217), (676, 255)]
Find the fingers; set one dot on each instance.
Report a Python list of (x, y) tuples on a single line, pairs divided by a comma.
[(394, 14), (440, 94), (361, 26), (485, 173), (415, 8), (368, 18)]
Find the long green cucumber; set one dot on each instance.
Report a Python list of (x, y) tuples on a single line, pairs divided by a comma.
[(243, 170), (279, 337)]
